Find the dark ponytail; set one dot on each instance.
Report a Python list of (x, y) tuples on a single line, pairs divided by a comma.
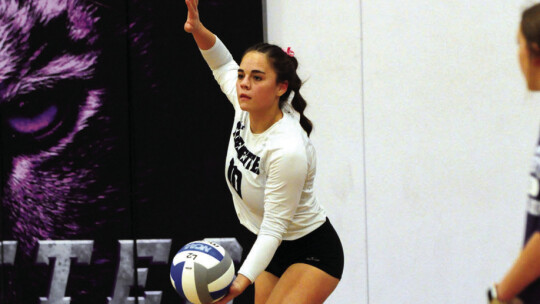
[(285, 67), (300, 104)]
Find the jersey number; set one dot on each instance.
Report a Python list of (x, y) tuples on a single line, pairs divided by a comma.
[(235, 177)]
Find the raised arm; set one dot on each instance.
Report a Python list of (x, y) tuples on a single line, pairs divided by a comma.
[(204, 38), (525, 270), (214, 52)]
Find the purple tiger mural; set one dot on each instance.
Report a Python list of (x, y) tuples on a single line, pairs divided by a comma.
[(37, 105), (63, 157), (104, 140)]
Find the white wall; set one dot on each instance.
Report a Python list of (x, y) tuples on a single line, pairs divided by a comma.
[(448, 143), (330, 62), (448, 137)]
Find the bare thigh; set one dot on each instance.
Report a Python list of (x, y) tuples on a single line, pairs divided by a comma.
[(264, 284), (302, 284)]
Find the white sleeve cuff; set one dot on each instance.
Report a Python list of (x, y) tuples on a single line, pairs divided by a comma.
[(217, 55), (259, 257)]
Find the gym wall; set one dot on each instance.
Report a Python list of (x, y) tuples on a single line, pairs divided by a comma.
[(425, 134)]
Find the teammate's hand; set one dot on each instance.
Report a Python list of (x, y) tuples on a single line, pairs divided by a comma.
[(513, 301), (493, 298), (193, 23), (237, 287)]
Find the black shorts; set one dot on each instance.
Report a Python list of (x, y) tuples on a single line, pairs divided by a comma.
[(321, 248)]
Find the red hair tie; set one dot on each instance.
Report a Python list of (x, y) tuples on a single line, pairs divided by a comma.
[(289, 51)]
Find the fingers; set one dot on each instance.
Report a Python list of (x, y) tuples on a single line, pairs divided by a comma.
[(192, 22), (233, 293), (189, 6), (225, 300), (192, 6), (228, 297)]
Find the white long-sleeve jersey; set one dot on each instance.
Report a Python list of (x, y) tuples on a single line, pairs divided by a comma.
[(270, 175)]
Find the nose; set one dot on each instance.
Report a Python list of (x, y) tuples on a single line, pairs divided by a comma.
[(244, 83)]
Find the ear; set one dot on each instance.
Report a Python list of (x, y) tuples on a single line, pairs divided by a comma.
[(534, 48), (282, 87)]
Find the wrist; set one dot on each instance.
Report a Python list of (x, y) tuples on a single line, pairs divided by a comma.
[(196, 29), (502, 292), (496, 297), (492, 294), (243, 281), (203, 37)]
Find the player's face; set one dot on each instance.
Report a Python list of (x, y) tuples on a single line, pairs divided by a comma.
[(257, 87)]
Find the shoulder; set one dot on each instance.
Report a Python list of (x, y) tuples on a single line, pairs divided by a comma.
[(288, 140)]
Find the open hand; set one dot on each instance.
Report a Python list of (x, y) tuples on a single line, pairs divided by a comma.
[(193, 23)]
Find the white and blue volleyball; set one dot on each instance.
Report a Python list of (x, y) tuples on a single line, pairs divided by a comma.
[(202, 271)]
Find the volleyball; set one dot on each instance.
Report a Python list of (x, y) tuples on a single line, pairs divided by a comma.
[(201, 272)]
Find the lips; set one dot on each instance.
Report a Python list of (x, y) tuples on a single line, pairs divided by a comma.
[(244, 97)]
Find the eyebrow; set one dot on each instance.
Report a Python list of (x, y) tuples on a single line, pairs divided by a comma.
[(252, 72)]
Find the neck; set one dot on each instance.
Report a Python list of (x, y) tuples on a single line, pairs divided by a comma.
[(260, 122)]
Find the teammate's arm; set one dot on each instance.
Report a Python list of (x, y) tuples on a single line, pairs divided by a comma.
[(525, 270), (204, 38)]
